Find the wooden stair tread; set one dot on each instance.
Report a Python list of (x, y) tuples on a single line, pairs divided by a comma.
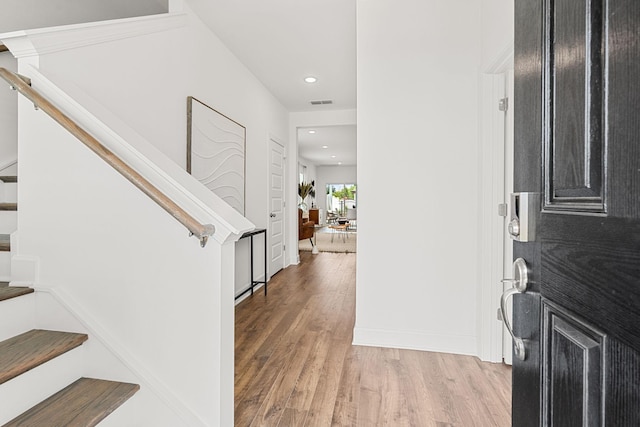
[(8, 292), (84, 403), (5, 243), (8, 206), (31, 349), (8, 178)]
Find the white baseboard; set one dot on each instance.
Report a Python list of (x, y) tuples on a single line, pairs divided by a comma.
[(463, 344), (248, 293)]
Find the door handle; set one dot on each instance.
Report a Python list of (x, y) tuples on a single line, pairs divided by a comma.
[(272, 215), (520, 282)]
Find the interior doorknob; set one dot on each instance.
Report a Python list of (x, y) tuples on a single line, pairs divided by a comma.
[(272, 215), (520, 282)]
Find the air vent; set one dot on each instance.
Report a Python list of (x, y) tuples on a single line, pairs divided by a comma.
[(325, 102)]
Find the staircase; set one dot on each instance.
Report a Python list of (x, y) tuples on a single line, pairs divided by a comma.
[(41, 381)]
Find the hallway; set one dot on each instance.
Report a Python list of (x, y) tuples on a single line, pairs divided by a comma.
[(295, 365)]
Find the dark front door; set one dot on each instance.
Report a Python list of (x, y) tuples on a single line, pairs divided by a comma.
[(577, 124)]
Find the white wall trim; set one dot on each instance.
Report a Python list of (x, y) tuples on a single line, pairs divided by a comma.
[(37, 42), (188, 193), (415, 341), (502, 62), (491, 183), (8, 163), (150, 381), (256, 289), (25, 269)]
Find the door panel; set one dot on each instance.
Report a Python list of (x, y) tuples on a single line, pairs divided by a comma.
[(622, 106), (592, 268), (276, 203), (622, 374), (573, 141), (577, 142), (574, 357)]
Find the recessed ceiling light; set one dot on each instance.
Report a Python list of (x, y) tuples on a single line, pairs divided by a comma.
[(339, 163), (310, 79), (325, 146), (312, 131), (333, 157)]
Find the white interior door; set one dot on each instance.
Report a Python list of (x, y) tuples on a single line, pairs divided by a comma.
[(276, 203)]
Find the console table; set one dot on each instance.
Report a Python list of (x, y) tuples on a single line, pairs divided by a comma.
[(250, 234)]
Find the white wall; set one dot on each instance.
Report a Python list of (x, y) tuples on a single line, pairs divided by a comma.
[(30, 14), (497, 31), (417, 90), (146, 81), (8, 116), (308, 168)]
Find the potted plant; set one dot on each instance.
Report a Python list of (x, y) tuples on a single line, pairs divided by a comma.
[(306, 189)]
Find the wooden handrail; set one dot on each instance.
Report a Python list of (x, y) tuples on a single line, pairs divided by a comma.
[(21, 84), (3, 48)]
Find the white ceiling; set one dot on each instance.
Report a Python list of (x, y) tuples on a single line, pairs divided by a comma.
[(283, 41), (339, 140)]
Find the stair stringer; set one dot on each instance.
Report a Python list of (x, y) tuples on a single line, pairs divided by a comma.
[(24, 268), (107, 358)]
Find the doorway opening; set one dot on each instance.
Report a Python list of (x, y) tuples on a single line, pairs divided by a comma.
[(327, 158)]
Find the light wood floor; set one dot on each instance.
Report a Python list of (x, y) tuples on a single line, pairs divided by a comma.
[(295, 365)]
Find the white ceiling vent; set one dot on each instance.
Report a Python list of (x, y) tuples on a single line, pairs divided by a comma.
[(325, 102)]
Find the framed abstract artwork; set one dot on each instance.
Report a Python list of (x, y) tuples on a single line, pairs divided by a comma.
[(216, 152)]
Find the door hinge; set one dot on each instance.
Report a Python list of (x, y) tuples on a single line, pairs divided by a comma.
[(499, 315), (502, 209), (503, 104), (284, 248)]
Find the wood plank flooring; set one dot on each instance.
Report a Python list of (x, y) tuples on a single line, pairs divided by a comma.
[(295, 365)]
